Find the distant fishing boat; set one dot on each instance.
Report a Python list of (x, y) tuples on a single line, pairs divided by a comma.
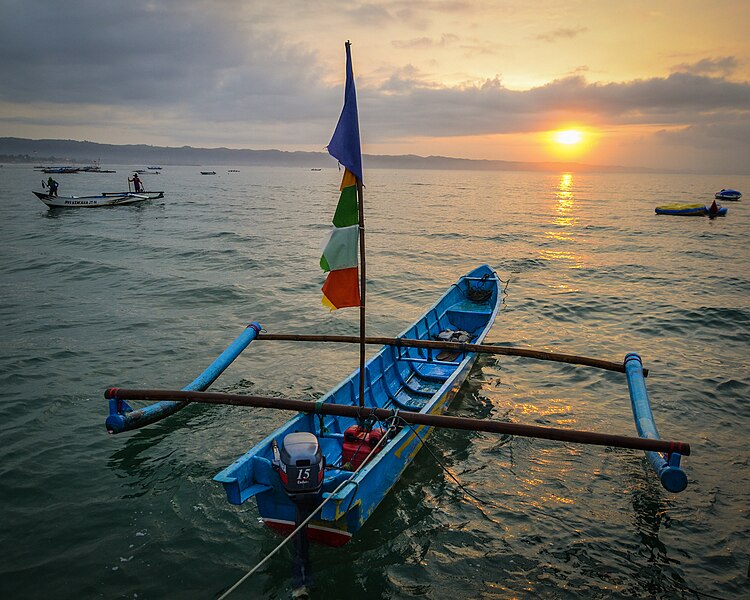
[(727, 194), (103, 199), (208, 172), (95, 167), (689, 210), (154, 168), (59, 170)]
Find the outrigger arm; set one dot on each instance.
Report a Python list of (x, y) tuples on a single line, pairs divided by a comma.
[(122, 417)]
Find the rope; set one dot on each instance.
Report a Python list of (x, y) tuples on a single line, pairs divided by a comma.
[(471, 290), (307, 520), (439, 462)]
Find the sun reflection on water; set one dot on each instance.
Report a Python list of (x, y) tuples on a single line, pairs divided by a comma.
[(565, 201), (565, 220)]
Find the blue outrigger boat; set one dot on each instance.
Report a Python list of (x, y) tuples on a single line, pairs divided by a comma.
[(410, 379), (401, 378)]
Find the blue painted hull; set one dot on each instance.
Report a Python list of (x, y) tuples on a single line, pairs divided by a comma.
[(406, 378), (728, 195), (689, 210)]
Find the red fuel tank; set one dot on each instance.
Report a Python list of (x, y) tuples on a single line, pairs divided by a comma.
[(358, 443)]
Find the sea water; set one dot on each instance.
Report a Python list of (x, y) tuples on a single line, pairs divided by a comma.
[(148, 295)]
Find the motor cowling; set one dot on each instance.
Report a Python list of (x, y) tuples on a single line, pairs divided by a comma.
[(301, 464)]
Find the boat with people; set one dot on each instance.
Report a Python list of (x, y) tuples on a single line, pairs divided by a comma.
[(324, 472), (691, 210), (208, 172), (103, 199), (728, 194)]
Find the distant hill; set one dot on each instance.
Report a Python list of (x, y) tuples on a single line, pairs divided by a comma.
[(84, 153)]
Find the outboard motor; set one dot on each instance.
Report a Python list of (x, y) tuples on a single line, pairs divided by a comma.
[(301, 467)]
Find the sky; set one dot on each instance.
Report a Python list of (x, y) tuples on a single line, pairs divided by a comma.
[(661, 84)]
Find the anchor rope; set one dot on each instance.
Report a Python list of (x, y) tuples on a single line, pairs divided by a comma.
[(439, 462), (286, 540)]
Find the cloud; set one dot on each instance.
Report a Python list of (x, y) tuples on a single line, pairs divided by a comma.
[(141, 53), (491, 108), (724, 66), (404, 80), (446, 40), (733, 134), (561, 33), (183, 64)]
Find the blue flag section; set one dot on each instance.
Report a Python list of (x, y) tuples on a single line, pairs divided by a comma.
[(344, 145)]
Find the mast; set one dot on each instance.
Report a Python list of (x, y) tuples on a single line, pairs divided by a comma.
[(341, 288), (362, 290)]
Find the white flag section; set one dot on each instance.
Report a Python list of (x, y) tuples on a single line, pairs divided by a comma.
[(340, 248)]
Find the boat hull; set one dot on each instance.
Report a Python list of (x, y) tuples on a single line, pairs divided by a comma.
[(728, 195), (105, 199), (689, 210), (409, 379)]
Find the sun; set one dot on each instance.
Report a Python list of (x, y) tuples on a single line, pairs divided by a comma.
[(568, 137)]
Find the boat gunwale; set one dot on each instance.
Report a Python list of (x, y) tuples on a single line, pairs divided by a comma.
[(460, 370)]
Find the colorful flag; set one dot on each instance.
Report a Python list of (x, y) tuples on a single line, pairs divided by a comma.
[(344, 145), (341, 288)]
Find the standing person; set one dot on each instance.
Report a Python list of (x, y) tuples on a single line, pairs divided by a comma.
[(52, 185), (137, 184)]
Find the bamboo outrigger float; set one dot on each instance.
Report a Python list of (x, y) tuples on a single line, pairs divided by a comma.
[(324, 472)]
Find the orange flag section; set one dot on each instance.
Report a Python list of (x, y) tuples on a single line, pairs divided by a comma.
[(341, 289), (349, 179)]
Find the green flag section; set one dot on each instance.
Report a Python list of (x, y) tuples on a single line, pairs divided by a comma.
[(347, 211), (341, 289), (340, 250)]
